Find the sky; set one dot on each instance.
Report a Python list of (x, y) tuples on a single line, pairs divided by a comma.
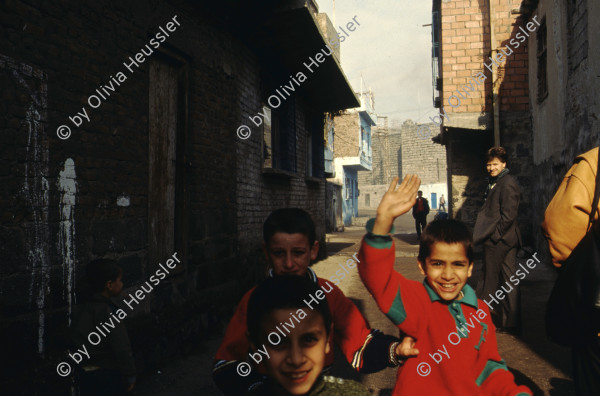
[(392, 50)]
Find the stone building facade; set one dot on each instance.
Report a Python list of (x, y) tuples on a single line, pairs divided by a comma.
[(154, 94), (564, 65), (353, 152), (401, 149)]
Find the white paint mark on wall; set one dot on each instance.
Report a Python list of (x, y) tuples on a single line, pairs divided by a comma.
[(35, 191), (123, 200), (67, 186)]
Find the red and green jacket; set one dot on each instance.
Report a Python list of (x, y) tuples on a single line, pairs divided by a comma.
[(367, 350), (458, 353)]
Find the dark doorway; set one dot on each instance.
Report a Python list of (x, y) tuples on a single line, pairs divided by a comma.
[(167, 125)]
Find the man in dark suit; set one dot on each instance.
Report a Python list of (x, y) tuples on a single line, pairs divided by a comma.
[(496, 227), (420, 212)]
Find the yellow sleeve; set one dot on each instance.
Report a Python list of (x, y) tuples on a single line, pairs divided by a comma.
[(566, 218)]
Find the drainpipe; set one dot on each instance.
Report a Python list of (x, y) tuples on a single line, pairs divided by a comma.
[(495, 80)]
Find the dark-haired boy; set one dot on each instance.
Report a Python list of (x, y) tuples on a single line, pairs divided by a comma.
[(442, 313), (109, 368), (289, 246), (295, 338)]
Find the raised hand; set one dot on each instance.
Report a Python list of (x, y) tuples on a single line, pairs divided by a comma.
[(396, 202)]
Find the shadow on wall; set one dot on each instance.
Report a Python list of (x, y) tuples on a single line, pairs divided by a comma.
[(467, 169)]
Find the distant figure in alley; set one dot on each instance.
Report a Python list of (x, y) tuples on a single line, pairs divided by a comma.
[(420, 211)]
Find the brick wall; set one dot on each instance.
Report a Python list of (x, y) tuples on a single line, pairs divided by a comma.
[(422, 156), (66, 202), (386, 153), (466, 50), (347, 132), (465, 45), (401, 150), (260, 193)]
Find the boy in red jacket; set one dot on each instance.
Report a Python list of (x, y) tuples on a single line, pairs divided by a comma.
[(454, 332), (290, 245)]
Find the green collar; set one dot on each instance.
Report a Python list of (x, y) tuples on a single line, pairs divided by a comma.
[(469, 298)]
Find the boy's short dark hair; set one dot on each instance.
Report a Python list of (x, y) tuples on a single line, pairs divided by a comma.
[(497, 152), (289, 221), (282, 292), (100, 271), (448, 231)]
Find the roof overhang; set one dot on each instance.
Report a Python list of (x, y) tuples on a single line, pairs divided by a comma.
[(365, 114), (293, 37)]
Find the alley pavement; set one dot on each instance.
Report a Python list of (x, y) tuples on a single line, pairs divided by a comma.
[(536, 362)]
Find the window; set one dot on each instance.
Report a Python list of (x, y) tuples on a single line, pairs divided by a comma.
[(268, 138), (315, 145), (436, 56), (328, 146), (279, 137), (542, 51)]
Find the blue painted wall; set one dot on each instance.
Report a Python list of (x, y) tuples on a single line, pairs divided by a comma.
[(350, 196)]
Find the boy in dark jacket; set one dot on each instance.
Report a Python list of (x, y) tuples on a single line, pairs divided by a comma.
[(100, 331), (420, 211)]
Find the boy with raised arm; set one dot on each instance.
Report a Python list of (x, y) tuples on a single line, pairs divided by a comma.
[(289, 246), (454, 332)]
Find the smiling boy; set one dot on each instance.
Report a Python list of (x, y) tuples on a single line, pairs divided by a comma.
[(290, 245), (295, 361), (432, 310)]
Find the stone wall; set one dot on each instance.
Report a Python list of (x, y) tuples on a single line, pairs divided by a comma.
[(404, 149), (420, 155), (567, 121), (347, 134), (387, 157)]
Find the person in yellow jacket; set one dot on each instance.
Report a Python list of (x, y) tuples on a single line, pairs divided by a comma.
[(565, 224)]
